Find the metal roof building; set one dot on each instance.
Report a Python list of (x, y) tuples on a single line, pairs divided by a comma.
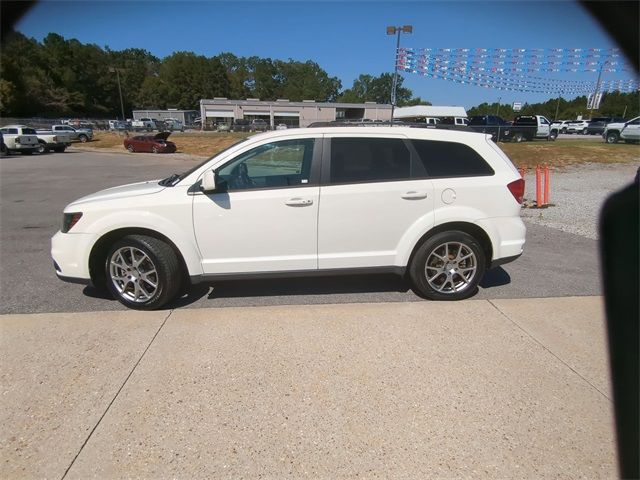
[(292, 114)]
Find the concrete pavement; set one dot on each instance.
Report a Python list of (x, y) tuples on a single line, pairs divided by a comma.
[(480, 388)]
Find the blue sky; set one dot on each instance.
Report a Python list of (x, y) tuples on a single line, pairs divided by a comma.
[(345, 38)]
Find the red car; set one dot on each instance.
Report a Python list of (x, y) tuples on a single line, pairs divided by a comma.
[(154, 144)]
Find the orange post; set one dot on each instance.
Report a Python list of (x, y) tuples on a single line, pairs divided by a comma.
[(546, 184), (538, 186)]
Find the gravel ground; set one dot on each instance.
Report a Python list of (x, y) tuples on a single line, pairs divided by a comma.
[(578, 194)]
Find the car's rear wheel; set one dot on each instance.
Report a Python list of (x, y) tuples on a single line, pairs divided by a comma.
[(517, 137), (612, 137), (143, 272), (83, 138), (42, 147), (447, 266), (131, 149), (59, 149)]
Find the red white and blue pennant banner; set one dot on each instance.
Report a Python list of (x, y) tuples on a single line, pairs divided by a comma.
[(511, 69)]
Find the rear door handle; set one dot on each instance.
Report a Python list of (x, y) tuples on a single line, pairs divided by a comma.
[(299, 202), (413, 195)]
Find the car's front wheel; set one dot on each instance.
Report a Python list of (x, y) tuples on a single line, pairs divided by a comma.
[(131, 149), (143, 272), (447, 266), (83, 138), (553, 135)]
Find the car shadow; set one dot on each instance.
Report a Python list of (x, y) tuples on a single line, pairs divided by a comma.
[(308, 286), (495, 277)]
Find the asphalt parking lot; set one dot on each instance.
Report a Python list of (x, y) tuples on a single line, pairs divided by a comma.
[(346, 377), (36, 189)]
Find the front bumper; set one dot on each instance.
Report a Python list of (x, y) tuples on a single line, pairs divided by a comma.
[(70, 253)]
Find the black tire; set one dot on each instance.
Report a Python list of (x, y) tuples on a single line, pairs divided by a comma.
[(160, 258), (131, 149), (42, 148), (83, 138), (154, 149), (517, 137), (553, 135), (612, 137), (428, 258), (564, 130), (59, 149)]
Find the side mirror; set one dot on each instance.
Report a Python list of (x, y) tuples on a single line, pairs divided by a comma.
[(209, 181)]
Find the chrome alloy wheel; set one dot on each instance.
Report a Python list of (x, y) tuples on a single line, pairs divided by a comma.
[(133, 274), (450, 267)]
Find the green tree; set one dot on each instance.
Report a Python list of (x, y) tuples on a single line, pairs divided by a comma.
[(367, 88)]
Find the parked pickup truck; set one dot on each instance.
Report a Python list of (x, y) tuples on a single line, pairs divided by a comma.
[(627, 131), (75, 134), (144, 124), (530, 127), (48, 141), (20, 138), (497, 127)]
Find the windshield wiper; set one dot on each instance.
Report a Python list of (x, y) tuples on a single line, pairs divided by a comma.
[(170, 181)]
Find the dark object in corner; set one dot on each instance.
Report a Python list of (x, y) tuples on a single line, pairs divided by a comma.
[(619, 254)]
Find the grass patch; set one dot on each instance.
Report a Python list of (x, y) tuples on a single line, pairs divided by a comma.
[(558, 154), (201, 144), (563, 153)]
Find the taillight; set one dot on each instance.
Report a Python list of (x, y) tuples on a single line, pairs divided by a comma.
[(517, 189), (70, 219)]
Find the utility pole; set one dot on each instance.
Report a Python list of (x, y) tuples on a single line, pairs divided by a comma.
[(394, 87), (113, 69), (498, 107), (595, 93)]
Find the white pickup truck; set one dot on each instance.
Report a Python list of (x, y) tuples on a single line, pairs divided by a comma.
[(75, 134), (144, 124), (20, 138)]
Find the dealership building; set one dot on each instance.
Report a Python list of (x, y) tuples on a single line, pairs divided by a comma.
[(292, 114)]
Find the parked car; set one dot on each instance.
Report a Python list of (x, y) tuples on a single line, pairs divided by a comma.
[(150, 143), (223, 127), (20, 138), (497, 127), (241, 125), (173, 125), (440, 206), (561, 125), (3, 147), (281, 126), (577, 126), (75, 134), (143, 124), (258, 125), (118, 126), (627, 131), (597, 125)]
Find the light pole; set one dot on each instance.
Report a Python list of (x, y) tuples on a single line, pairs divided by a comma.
[(113, 69), (394, 87)]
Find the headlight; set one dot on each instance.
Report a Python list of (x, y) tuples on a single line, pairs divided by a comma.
[(69, 220)]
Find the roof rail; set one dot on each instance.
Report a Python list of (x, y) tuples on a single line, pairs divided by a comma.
[(395, 123)]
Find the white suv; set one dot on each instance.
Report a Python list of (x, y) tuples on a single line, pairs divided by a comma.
[(440, 206)]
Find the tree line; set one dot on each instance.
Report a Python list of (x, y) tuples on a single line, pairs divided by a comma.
[(613, 104), (60, 77)]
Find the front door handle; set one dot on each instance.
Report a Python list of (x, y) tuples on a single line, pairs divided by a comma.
[(299, 202), (413, 195)]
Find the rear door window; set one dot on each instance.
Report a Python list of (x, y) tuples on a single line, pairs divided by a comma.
[(363, 160), (450, 159)]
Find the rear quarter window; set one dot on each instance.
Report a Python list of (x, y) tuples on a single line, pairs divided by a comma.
[(450, 159)]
